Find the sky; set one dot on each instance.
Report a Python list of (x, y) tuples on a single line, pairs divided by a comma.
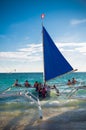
[(21, 33)]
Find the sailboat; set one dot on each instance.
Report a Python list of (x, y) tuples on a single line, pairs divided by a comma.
[(55, 63)]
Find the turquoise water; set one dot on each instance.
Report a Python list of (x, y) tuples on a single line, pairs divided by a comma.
[(7, 79)]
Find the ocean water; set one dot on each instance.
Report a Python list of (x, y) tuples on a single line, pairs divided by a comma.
[(12, 95)]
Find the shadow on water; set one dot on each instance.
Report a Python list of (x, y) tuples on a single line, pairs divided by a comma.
[(17, 120), (71, 120), (13, 123), (57, 118), (68, 116)]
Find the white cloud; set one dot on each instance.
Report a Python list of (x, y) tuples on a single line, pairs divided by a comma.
[(78, 21), (32, 48), (80, 47), (32, 54)]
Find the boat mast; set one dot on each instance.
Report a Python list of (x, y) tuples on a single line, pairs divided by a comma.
[(42, 17)]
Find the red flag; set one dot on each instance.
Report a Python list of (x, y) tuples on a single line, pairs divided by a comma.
[(42, 16)]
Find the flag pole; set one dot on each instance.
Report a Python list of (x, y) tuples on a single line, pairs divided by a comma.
[(42, 17)]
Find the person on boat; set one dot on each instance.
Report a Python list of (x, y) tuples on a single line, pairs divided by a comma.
[(36, 85), (16, 83), (57, 90), (27, 84), (45, 86), (48, 89), (69, 82), (44, 92), (40, 90), (74, 81)]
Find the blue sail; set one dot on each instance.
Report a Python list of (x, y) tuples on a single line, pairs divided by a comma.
[(54, 62)]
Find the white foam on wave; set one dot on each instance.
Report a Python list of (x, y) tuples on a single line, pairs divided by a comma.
[(54, 103)]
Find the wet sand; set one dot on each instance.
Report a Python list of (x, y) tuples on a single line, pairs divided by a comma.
[(54, 118)]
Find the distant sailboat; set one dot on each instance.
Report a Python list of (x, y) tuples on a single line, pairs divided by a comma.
[(54, 62)]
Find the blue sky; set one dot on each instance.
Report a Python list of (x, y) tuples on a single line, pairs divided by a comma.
[(21, 32)]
